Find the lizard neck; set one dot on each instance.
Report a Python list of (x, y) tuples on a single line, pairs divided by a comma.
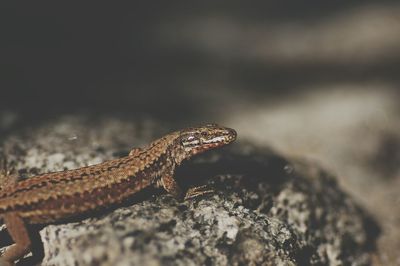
[(156, 160), (170, 146)]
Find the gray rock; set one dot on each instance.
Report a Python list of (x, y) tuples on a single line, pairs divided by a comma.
[(265, 209)]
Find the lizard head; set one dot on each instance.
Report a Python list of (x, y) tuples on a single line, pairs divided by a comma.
[(199, 139)]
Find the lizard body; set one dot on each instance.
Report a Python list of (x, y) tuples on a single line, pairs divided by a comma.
[(56, 196)]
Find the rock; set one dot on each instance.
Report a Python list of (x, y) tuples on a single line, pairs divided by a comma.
[(265, 210)]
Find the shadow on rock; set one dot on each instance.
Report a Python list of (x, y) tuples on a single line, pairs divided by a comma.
[(328, 225)]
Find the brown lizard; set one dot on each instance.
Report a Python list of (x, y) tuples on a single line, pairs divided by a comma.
[(54, 197)]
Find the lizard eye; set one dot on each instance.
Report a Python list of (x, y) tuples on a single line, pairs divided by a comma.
[(204, 133)]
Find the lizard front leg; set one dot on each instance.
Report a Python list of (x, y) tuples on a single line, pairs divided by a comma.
[(172, 187), (19, 233)]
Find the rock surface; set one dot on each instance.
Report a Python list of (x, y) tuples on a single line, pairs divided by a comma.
[(265, 209)]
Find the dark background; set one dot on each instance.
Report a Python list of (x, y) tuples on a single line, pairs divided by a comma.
[(313, 79), (165, 59)]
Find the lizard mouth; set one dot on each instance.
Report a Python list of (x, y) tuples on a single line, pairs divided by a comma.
[(206, 147)]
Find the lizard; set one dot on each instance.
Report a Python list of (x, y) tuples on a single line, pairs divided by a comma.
[(56, 196)]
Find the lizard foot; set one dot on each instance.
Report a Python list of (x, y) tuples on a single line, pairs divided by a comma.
[(195, 192)]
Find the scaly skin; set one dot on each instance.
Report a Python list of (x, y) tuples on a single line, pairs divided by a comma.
[(54, 197)]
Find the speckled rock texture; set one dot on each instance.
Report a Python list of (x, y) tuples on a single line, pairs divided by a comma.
[(266, 210)]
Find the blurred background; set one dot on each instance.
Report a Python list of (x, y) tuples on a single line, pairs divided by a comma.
[(312, 79)]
